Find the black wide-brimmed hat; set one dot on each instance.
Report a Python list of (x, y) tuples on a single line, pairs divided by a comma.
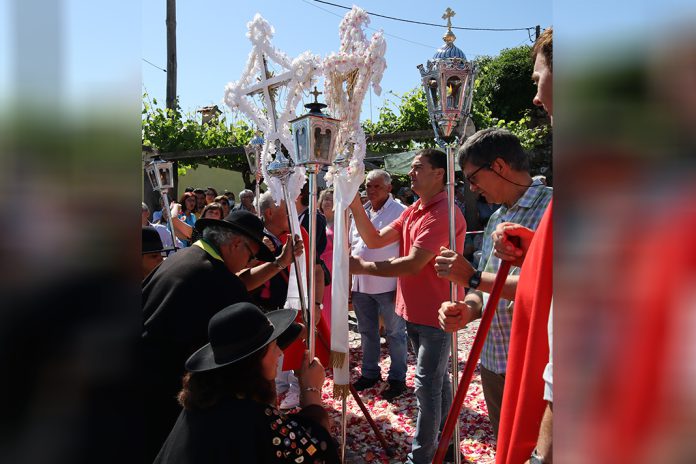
[(241, 330), (245, 222), (152, 242)]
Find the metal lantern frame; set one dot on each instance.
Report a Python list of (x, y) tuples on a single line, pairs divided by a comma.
[(314, 135), (454, 79), (161, 176), (253, 151)]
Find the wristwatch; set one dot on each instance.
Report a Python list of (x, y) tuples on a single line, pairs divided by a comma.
[(536, 458), (475, 280)]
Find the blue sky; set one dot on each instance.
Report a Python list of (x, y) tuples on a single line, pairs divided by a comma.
[(212, 48)]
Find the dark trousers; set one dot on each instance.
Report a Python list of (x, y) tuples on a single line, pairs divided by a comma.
[(493, 386)]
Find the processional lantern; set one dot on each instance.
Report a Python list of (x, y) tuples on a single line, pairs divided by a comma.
[(161, 174), (448, 82), (314, 135), (253, 153)]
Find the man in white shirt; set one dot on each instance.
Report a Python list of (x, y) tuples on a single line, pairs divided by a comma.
[(375, 296)]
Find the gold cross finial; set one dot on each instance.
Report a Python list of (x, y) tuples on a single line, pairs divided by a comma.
[(449, 36), (449, 12), (316, 94)]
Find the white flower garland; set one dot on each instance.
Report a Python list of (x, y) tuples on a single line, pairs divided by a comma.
[(362, 62), (359, 64), (300, 73)]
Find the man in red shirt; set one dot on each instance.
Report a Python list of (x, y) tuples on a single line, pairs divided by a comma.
[(420, 230)]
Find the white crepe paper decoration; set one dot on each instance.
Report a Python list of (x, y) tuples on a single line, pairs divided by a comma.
[(297, 75), (359, 64)]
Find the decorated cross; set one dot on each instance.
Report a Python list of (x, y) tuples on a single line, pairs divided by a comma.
[(295, 75)]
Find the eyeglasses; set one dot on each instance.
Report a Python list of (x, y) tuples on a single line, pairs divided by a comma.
[(252, 255), (470, 177)]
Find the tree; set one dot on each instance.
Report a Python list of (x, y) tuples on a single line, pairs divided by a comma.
[(168, 130)]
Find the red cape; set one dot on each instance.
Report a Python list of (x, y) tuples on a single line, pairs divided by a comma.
[(523, 399)]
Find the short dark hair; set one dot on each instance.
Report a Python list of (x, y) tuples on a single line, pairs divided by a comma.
[(436, 158), (211, 191), (486, 145), (188, 189), (544, 45), (199, 190), (244, 378)]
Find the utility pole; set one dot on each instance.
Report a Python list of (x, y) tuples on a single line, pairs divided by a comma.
[(538, 32), (171, 53), (171, 74)]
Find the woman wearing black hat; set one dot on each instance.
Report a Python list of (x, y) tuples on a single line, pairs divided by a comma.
[(229, 398)]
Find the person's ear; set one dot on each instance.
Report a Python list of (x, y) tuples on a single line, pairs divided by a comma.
[(499, 165), (389, 188)]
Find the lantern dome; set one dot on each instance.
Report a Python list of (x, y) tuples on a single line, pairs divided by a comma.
[(449, 50)]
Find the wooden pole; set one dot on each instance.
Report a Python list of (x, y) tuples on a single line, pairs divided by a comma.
[(171, 75)]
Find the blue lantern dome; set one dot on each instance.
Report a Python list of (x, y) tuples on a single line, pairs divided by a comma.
[(449, 50)]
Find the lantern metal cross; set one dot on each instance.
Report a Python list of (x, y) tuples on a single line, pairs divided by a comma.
[(253, 153)]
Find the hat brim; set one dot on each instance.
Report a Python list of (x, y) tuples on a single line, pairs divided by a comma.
[(166, 249), (264, 254), (204, 358)]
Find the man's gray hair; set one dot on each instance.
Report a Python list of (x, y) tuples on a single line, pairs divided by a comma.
[(219, 236), (266, 202), (375, 173), (246, 193)]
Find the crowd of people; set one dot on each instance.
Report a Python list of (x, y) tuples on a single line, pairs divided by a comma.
[(219, 345)]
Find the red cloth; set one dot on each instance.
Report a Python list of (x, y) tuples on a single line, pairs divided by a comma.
[(523, 403), (418, 296), (292, 355)]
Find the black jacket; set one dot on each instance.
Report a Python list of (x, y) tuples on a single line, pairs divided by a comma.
[(179, 298), (244, 432)]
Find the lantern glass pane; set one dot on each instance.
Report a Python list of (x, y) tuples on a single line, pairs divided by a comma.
[(301, 144), (164, 177), (322, 144), (153, 178), (454, 92), (434, 92)]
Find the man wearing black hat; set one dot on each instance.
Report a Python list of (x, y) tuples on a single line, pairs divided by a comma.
[(181, 296), (153, 250)]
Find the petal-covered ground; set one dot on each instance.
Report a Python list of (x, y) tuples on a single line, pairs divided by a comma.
[(397, 420)]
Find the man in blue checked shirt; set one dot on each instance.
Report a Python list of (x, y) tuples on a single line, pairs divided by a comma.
[(494, 164)]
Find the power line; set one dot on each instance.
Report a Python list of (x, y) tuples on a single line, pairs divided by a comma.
[(431, 47), (492, 29), (154, 65)]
